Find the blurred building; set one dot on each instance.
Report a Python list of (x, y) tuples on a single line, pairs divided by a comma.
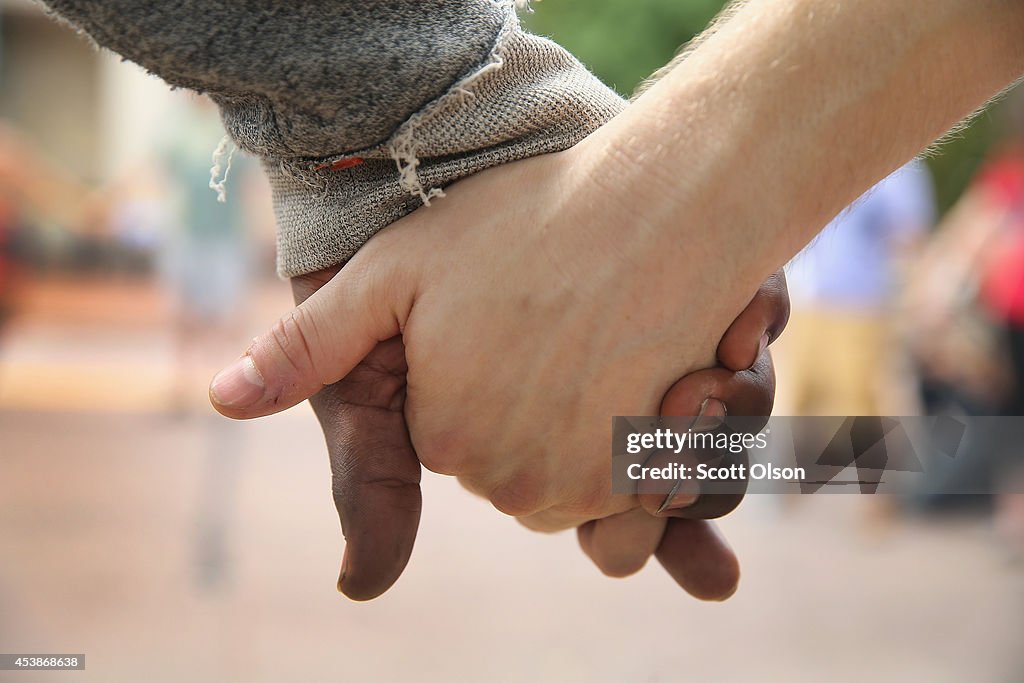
[(88, 111)]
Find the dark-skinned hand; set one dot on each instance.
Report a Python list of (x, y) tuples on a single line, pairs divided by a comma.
[(376, 474)]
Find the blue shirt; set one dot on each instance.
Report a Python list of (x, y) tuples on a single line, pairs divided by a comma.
[(850, 264)]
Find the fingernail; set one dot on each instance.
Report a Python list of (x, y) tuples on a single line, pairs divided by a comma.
[(677, 500), (762, 345), (712, 415), (239, 385)]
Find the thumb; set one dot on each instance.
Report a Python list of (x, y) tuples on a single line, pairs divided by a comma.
[(319, 342)]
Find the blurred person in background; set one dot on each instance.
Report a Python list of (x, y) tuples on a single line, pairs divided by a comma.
[(966, 298), (966, 321), (839, 356)]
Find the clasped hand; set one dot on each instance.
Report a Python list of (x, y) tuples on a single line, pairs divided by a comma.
[(492, 336)]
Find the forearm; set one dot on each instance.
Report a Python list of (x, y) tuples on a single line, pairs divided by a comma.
[(793, 108)]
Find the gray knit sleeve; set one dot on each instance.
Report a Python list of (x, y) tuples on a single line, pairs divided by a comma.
[(360, 111)]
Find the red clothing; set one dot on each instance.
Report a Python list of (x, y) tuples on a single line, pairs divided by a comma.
[(1002, 282)]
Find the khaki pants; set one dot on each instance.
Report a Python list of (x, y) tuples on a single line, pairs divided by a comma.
[(834, 363)]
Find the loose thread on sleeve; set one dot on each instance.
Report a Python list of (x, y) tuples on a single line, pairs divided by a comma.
[(220, 185)]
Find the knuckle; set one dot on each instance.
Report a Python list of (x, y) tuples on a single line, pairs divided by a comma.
[(386, 286), (400, 487), (290, 336), (444, 452), (543, 523), (381, 471), (520, 496), (590, 503), (473, 486), (439, 461), (388, 465)]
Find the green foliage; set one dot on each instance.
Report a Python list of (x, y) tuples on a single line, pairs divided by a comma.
[(960, 156), (622, 41)]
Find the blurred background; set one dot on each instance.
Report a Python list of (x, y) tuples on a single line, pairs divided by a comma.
[(167, 543)]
